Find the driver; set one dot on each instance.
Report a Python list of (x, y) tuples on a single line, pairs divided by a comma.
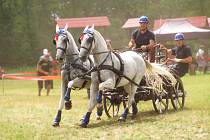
[(143, 39), (183, 56)]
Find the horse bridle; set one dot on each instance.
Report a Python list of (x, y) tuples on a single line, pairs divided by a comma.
[(66, 41), (91, 39)]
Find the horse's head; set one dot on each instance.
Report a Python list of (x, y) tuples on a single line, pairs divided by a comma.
[(61, 40), (86, 41)]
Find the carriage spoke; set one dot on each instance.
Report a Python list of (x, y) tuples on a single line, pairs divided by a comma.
[(180, 104), (109, 107), (160, 107), (108, 98), (117, 110), (163, 103), (113, 110)]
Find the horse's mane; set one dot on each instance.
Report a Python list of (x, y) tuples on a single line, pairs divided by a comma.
[(72, 41), (103, 42)]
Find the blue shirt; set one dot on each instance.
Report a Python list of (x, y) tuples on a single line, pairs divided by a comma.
[(181, 53), (142, 39)]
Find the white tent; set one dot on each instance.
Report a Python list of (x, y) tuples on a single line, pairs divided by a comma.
[(172, 26)]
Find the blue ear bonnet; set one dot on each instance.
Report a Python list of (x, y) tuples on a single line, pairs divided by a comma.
[(88, 31), (61, 31)]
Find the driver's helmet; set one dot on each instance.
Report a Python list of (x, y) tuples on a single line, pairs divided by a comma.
[(143, 19), (179, 36)]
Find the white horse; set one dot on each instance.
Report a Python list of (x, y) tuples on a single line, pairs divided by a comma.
[(67, 52), (105, 78)]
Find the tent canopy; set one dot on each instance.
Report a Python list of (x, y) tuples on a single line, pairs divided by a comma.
[(131, 22), (172, 26), (83, 22), (199, 21)]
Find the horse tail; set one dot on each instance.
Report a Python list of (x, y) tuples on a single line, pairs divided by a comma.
[(164, 72), (148, 65), (157, 76)]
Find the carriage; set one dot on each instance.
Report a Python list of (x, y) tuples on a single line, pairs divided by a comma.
[(113, 100)]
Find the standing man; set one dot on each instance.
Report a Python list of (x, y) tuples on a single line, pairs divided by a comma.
[(201, 60), (183, 56), (44, 68), (143, 39)]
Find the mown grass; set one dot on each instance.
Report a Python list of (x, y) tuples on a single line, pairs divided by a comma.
[(25, 116)]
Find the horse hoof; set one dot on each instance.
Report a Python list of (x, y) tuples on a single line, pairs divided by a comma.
[(56, 124), (68, 105), (121, 119), (83, 125)]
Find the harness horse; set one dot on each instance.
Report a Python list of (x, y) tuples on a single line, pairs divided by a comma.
[(67, 53), (112, 71)]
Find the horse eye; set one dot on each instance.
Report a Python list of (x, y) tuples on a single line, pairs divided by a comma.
[(90, 40)]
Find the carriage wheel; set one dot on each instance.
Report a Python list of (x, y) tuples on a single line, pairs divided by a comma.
[(160, 103), (113, 104), (178, 96)]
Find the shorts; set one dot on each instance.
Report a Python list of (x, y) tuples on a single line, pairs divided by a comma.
[(46, 84)]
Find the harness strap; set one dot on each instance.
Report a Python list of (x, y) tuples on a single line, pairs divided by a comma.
[(64, 50), (111, 68), (121, 68), (98, 68), (83, 85), (116, 71), (78, 66)]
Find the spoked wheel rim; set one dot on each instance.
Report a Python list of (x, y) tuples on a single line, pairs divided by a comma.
[(160, 103), (111, 107), (178, 96)]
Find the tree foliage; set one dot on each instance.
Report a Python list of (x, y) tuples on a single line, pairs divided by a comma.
[(27, 27)]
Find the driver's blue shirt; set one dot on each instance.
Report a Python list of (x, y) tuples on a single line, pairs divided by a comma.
[(181, 53), (142, 39)]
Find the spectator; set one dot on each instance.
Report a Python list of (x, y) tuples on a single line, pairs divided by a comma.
[(183, 56), (143, 39), (44, 68), (201, 60)]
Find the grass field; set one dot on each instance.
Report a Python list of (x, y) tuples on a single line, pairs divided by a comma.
[(25, 116)]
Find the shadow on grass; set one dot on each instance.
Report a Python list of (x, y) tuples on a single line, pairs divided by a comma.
[(141, 117)]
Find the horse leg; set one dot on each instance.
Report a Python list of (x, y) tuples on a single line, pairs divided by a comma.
[(92, 102), (108, 84), (61, 102), (67, 98), (99, 105), (132, 100), (68, 103), (126, 110)]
